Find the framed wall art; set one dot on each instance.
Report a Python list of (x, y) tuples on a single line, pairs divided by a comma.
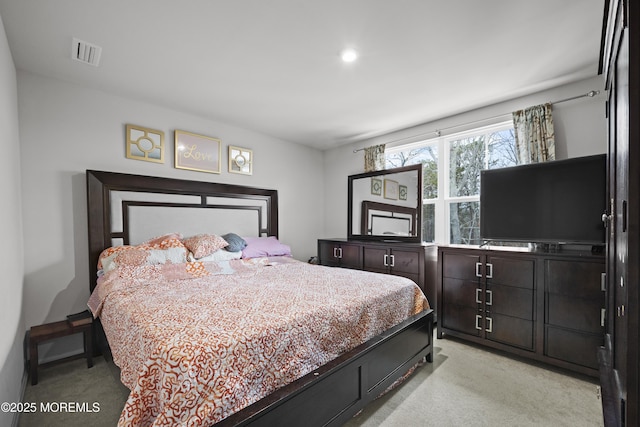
[(376, 186), (144, 144), (402, 192), (240, 160), (390, 189), (197, 152)]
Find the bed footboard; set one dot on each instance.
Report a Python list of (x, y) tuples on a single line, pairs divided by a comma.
[(338, 390)]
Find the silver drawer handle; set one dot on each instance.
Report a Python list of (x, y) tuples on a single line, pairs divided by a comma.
[(489, 271), (478, 267), (393, 260), (385, 260), (478, 291), (478, 319), (489, 298), (490, 321)]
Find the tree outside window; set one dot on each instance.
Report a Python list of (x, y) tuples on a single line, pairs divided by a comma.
[(427, 155), (451, 183)]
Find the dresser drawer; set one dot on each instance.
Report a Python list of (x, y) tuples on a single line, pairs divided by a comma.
[(460, 266), (572, 346), (512, 271), (375, 259), (511, 301), (576, 279), (406, 261), (460, 292), (512, 331), (575, 313), (461, 319)]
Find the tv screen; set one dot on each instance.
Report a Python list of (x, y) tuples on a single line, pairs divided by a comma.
[(560, 201)]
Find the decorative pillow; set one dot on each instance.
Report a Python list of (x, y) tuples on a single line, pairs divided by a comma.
[(157, 241), (164, 250), (264, 246), (108, 255), (204, 244), (236, 243), (219, 255)]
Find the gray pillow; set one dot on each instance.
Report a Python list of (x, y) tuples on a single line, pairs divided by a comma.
[(236, 243)]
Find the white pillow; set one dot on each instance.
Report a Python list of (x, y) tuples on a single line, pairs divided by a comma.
[(219, 255)]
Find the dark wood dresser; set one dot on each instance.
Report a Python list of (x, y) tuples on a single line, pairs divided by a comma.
[(416, 261), (544, 306)]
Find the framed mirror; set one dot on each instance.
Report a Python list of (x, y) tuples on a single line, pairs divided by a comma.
[(386, 205)]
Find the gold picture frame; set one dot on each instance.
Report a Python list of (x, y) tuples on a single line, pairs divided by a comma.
[(402, 192), (197, 152), (390, 189), (240, 160), (376, 186), (144, 144)]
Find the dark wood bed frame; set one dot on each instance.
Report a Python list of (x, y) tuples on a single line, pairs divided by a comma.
[(332, 394), (368, 205)]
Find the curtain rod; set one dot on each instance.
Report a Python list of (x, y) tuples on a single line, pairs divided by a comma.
[(437, 132)]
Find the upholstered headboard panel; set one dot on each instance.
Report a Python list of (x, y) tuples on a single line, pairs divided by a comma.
[(381, 219), (128, 209)]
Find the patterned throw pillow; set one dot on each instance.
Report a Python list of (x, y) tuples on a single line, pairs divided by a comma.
[(163, 240), (162, 251), (204, 244), (133, 255)]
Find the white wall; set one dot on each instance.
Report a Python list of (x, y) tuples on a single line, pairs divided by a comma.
[(66, 129), (11, 285), (579, 125)]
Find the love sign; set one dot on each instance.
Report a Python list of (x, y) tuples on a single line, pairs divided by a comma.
[(197, 152)]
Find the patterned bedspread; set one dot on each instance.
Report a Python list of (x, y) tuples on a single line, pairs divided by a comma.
[(197, 342)]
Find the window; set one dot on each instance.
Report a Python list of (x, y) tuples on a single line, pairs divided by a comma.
[(451, 178)]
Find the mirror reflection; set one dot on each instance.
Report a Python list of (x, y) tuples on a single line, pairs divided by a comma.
[(386, 205)]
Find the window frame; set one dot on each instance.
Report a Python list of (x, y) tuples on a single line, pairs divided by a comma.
[(442, 203)]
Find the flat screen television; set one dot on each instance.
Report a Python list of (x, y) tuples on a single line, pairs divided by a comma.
[(555, 202)]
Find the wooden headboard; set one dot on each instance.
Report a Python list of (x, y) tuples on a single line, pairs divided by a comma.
[(127, 209), (406, 217)]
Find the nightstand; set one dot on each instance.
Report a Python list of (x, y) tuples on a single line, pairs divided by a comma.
[(54, 330)]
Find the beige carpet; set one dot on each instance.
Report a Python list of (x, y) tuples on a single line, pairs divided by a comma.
[(465, 386)]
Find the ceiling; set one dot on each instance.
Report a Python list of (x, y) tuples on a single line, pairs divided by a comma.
[(273, 66)]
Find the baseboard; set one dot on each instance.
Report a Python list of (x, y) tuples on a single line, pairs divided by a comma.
[(23, 389)]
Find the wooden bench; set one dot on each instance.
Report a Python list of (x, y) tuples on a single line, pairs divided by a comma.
[(54, 330)]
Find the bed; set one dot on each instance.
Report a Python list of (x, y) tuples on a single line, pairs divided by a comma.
[(312, 369), (379, 219)]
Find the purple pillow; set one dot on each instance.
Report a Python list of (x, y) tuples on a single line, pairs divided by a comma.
[(264, 246)]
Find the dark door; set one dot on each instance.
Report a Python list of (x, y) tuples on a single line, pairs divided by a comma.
[(619, 228), (619, 361)]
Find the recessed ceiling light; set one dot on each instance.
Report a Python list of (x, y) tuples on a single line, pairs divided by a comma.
[(349, 55)]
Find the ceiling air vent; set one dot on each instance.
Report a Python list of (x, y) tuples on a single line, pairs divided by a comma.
[(86, 52)]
